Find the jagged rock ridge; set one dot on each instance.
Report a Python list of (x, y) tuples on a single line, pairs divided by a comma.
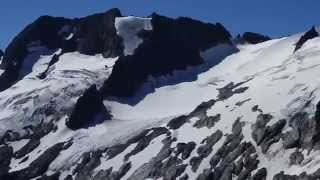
[(251, 38), (312, 33)]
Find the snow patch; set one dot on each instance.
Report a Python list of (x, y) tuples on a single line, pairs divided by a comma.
[(128, 28)]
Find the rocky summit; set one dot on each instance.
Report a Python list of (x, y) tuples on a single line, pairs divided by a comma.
[(110, 97)]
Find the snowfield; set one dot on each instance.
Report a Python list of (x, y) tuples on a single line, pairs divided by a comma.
[(272, 77), (73, 74)]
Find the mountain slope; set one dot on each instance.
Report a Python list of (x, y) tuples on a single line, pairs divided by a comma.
[(175, 100)]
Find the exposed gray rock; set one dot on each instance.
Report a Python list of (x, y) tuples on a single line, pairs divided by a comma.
[(296, 158), (54, 176), (208, 122), (244, 174), (30, 146), (291, 139), (155, 168), (145, 141), (260, 175), (267, 135), (304, 132), (89, 162), (176, 123), (230, 89), (185, 149), (201, 110), (227, 173), (256, 108), (205, 149), (39, 165), (6, 153), (240, 103), (109, 175)]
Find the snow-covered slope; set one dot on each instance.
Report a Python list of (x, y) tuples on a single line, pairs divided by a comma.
[(244, 112)]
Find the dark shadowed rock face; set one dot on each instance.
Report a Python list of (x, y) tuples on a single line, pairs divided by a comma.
[(89, 110), (6, 153), (164, 49), (1, 54), (89, 35), (254, 38), (97, 34), (312, 33)]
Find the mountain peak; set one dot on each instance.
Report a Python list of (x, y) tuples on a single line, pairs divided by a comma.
[(312, 33), (108, 96)]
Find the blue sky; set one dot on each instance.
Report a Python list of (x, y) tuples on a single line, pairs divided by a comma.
[(272, 17)]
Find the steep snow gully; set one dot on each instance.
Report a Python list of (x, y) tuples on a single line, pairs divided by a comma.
[(114, 97)]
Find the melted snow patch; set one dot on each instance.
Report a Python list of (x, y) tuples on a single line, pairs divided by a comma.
[(128, 28)]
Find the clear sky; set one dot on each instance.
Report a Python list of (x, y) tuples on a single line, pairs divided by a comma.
[(272, 17)]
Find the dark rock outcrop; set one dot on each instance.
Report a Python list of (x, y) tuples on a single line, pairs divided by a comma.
[(185, 149), (296, 158), (231, 89), (164, 49), (40, 165), (312, 33), (205, 149), (97, 34), (1, 54), (267, 135), (6, 153), (260, 175), (208, 122), (177, 122), (304, 133), (88, 111), (302, 176), (254, 38)]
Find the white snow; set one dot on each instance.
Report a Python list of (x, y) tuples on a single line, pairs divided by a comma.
[(171, 100), (73, 74), (281, 82), (128, 28), (279, 86)]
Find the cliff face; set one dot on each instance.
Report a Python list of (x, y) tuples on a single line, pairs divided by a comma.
[(1, 53), (165, 48)]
